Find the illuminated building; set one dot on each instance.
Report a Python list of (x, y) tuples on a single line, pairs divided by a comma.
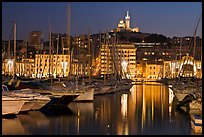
[(58, 66), (155, 70), (187, 67), (121, 24), (127, 20), (136, 29), (119, 59), (25, 67), (125, 25)]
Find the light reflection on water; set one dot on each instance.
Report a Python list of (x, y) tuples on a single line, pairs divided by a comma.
[(144, 110)]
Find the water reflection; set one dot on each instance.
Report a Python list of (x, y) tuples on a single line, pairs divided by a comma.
[(8, 127), (146, 112), (146, 109), (84, 116), (124, 101)]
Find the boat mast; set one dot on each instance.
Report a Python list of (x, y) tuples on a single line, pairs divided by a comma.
[(99, 58), (50, 52), (68, 38), (9, 49), (14, 62), (194, 52), (180, 57), (105, 49), (89, 56), (57, 53), (201, 55)]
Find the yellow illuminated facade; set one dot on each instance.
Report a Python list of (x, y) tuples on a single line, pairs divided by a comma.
[(26, 67), (152, 71), (57, 66), (169, 69), (120, 58), (187, 67)]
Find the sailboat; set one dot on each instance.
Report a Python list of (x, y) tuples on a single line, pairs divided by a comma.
[(187, 90), (117, 80)]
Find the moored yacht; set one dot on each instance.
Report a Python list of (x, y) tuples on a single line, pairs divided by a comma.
[(11, 105), (33, 101)]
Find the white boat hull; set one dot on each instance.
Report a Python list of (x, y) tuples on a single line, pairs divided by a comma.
[(39, 103), (27, 106), (11, 105), (86, 95)]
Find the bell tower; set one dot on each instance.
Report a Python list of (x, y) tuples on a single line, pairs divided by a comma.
[(127, 20)]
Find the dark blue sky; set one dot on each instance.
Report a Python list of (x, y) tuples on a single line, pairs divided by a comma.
[(167, 18)]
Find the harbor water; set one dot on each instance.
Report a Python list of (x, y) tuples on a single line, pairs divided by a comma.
[(147, 109)]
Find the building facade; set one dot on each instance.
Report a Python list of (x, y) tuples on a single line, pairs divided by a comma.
[(25, 67), (36, 39), (120, 59)]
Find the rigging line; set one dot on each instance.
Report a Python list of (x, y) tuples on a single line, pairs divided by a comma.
[(191, 47), (11, 33)]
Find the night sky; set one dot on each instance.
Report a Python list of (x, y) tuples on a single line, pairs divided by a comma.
[(167, 18)]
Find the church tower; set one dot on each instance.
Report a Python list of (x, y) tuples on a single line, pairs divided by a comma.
[(127, 21)]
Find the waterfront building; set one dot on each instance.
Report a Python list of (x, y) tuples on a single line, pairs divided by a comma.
[(186, 67), (25, 67), (46, 65), (155, 70), (57, 66), (149, 70), (119, 59)]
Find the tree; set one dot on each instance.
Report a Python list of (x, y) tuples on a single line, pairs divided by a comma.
[(155, 38)]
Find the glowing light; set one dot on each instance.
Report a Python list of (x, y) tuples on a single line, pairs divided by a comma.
[(10, 65), (64, 66), (124, 105), (10, 62), (124, 65), (171, 95)]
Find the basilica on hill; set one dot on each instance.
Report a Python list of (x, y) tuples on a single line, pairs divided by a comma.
[(125, 25)]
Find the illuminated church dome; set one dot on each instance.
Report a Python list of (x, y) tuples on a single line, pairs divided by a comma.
[(121, 24)]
